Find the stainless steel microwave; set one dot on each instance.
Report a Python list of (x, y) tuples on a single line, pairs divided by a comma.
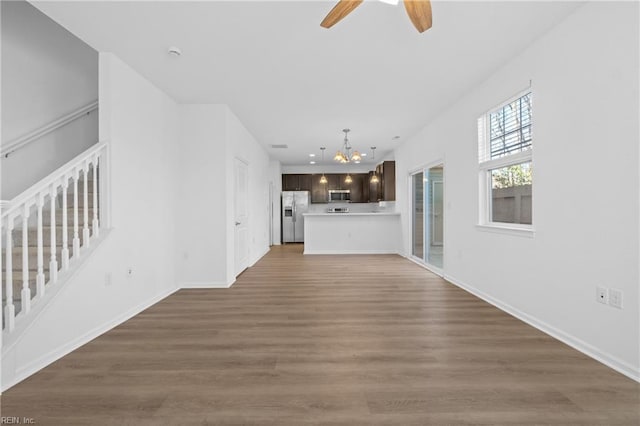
[(339, 195)]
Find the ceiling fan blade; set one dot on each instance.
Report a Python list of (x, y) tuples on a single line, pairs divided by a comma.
[(339, 11), (419, 12)]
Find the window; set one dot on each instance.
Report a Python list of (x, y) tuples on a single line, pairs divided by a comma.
[(505, 164)]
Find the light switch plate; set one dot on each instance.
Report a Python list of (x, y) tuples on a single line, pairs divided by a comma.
[(602, 295), (615, 298)]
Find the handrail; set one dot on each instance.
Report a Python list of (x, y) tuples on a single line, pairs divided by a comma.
[(76, 216), (17, 143), (28, 196)]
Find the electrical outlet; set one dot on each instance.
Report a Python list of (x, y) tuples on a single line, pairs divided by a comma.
[(615, 298), (602, 295), (107, 279)]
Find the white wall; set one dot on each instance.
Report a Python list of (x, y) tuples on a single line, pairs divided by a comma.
[(211, 138), (201, 246), (275, 176), (330, 167), (242, 145), (585, 91), (46, 74), (140, 122)]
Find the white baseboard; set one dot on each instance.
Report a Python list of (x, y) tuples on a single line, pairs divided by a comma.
[(205, 284), (54, 355), (607, 359), (439, 272), (263, 254)]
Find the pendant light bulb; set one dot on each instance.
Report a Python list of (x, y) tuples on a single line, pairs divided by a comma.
[(374, 178), (323, 179), (348, 179)]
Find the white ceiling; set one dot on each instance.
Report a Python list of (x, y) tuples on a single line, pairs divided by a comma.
[(292, 82)]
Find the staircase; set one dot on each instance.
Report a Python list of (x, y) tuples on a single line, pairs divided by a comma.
[(45, 231)]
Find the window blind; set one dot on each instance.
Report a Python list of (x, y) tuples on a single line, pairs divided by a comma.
[(510, 128)]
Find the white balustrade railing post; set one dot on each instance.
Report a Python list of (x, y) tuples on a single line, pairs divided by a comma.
[(95, 226), (76, 237), (85, 200), (25, 295), (53, 263), (40, 249), (9, 309), (64, 253)]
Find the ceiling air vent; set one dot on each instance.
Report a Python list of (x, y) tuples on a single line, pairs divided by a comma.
[(280, 146)]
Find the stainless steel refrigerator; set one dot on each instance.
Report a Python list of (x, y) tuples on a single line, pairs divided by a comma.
[(294, 204)]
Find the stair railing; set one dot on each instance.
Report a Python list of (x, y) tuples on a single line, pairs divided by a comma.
[(86, 169)]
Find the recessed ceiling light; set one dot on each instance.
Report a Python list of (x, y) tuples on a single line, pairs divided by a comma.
[(174, 51), (312, 155), (312, 162), (364, 154)]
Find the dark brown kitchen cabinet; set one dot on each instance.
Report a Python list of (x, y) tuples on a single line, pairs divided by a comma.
[(357, 188), (374, 188), (336, 181), (319, 191), (385, 189), (388, 181), (296, 182)]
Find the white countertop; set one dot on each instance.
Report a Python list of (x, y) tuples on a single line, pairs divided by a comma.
[(353, 214)]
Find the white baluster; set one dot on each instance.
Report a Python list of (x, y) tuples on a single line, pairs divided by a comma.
[(40, 274), (26, 291), (53, 263), (95, 225), (85, 199), (64, 253), (9, 309), (76, 238)]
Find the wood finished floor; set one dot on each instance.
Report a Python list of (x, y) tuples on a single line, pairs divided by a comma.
[(326, 340)]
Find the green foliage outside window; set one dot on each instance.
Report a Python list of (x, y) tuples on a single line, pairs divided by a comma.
[(516, 175)]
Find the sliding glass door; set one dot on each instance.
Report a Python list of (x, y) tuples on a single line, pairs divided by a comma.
[(418, 215), (427, 188)]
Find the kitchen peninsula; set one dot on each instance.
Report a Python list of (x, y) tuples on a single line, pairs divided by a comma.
[(352, 233)]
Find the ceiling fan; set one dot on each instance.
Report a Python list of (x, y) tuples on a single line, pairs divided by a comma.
[(419, 12)]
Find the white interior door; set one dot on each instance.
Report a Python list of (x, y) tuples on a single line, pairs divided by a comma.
[(241, 187)]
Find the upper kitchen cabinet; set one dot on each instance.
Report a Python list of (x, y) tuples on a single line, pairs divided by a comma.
[(374, 188), (357, 188), (336, 181), (388, 181), (319, 191), (385, 189), (296, 182)]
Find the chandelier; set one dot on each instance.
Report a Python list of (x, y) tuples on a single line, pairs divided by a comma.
[(347, 154)]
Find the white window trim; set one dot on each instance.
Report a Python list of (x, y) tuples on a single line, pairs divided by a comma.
[(484, 179)]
